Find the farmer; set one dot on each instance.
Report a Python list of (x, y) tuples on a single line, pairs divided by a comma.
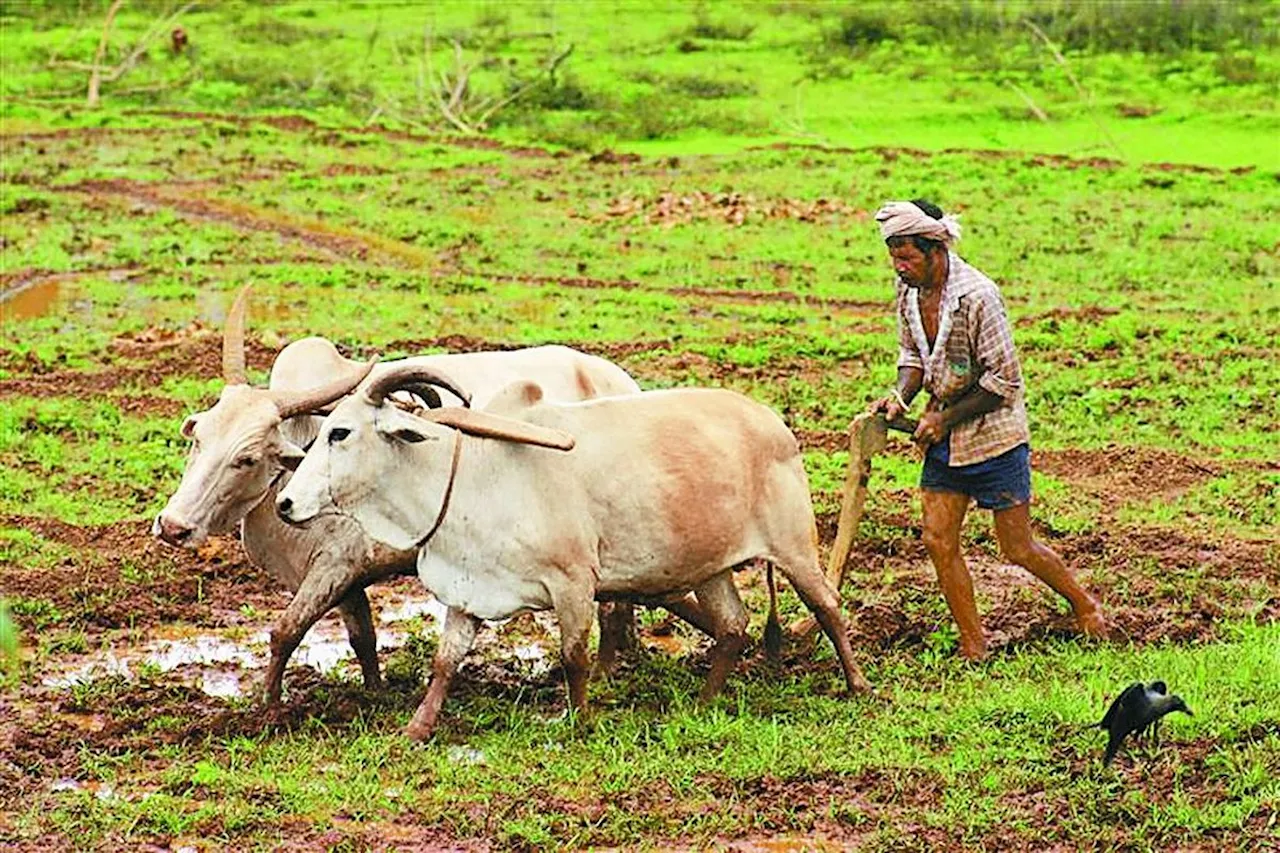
[(956, 343)]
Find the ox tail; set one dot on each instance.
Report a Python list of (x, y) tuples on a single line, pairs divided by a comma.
[(772, 627)]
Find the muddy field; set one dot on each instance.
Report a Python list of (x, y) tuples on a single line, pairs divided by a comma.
[(133, 720)]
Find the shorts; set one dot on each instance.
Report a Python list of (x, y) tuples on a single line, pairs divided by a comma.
[(999, 483)]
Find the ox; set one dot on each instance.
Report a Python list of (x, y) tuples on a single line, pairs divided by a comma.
[(243, 448), (639, 498)]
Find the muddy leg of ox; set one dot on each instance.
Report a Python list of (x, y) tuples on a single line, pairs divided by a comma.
[(573, 600), (690, 609), (317, 594), (617, 632), (455, 641), (807, 579), (362, 635), (720, 603), (686, 607)]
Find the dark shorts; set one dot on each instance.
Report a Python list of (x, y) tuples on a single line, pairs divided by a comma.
[(998, 483)]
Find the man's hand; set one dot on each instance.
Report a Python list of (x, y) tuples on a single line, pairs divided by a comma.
[(889, 406), (932, 429)]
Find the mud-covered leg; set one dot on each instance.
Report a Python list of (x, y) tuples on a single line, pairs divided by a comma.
[(719, 601), (819, 597), (691, 610), (573, 602), (617, 632), (318, 593), (455, 641), (362, 635)]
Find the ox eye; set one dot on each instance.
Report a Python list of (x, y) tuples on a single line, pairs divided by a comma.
[(245, 462), (338, 434)]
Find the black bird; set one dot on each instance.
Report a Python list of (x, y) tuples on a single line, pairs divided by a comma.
[(1137, 710)]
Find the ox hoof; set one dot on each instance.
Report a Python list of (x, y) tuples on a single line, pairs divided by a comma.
[(419, 734)]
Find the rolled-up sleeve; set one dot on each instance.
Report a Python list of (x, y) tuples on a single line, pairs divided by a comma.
[(993, 337), (908, 355)]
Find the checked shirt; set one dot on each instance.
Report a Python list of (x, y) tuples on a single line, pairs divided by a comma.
[(974, 346)]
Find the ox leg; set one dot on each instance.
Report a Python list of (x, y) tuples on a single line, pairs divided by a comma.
[(573, 606), (690, 609), (316, 596), (617, 632), (719, 601), (362, 635), (820, 598), (455, 641)]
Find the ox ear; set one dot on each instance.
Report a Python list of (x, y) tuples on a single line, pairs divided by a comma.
[(515, 398), (291, 455)]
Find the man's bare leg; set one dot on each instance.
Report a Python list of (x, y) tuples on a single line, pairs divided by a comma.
[(943, 518), (1019, 546)]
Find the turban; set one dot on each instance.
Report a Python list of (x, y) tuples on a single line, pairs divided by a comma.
[(904, 219)]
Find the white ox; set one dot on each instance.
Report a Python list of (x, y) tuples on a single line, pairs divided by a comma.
[(242, 447), (663, 493)]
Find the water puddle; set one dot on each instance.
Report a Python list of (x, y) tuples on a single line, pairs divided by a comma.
[(42, 294), (229, 664), (35, 300), (534, 655)]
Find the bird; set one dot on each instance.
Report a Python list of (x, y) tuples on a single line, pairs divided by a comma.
[(1136, 710)]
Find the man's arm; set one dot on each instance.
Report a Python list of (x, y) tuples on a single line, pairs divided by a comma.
[(910, 381), (910, 370)]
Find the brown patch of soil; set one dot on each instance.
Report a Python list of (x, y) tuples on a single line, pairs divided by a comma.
[(786, 296), (313, 234), (670, 208), (154, 356), (562, 281), (122, 577), (891, 154), (301, 124), (1084, 314), (1155, 585), (824, 440), (337, 170), (1120, 475), (22, 139), (609, 157), (15, 280), (691, 365)]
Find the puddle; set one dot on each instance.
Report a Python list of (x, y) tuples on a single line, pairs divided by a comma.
[(535, 655), (104, 791), (229, 664), (34, 300)]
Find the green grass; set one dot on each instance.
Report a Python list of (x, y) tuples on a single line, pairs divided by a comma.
[(1198, 81), (973, 734), (1146, 312)]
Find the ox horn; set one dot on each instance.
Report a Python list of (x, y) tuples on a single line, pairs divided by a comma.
[(406, 378), (487, 425), (233, 372), (290, 403)]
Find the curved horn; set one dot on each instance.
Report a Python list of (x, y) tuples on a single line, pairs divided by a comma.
[(233, 340), (487, 425), (406, 377), (290, 403)]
